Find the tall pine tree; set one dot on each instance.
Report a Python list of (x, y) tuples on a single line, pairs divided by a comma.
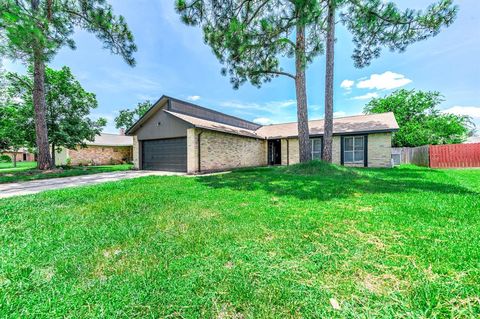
[(34, 30), (250, 38), (375, 24)]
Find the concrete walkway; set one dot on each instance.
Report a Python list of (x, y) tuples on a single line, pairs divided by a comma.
[(33, 187)]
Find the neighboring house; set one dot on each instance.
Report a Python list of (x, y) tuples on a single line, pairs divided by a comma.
[(107, 149), (22, 155), (179, 136), (472, 139)]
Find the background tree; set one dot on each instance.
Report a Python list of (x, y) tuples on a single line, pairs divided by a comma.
[(34, 30), (68, 108), (420, 121), (126, 118), (13, 120), (375, 24), (250, 38)]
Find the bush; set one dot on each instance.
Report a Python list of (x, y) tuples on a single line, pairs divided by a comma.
[(4, 158)]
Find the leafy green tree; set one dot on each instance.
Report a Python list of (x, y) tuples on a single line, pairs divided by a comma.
[(126, 117), (375, 24), (34, 30), (250, 38), (13, 120), (68, 108), (420, 121)]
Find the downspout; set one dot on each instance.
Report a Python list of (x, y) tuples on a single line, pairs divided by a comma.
[(198, 151)]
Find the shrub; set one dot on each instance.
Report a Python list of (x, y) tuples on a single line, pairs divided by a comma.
[(4, 158)]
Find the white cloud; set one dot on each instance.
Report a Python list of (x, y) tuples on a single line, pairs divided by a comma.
[(263, 120), (385, 81), (473, 111), (366, 96), (347, 84), (193, 98)]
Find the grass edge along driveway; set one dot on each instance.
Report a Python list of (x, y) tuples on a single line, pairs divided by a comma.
[(266, 243), (12, 175)]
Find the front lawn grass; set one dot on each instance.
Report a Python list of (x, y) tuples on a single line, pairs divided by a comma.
[(21, 166), (265, 243), (28, 173)]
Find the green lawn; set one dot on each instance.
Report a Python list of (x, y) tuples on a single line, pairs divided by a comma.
[(264, 243), (21, 166), (27, 172)]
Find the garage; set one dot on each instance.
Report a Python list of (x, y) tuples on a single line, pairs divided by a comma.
[(165, 154)]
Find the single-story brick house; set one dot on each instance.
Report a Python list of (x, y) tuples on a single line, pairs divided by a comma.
[(22, 155), (175, 135), (106, 149)]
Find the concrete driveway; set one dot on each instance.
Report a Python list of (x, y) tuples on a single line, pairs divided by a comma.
[(33, 187)]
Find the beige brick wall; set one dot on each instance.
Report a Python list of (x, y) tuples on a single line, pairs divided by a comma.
[(100, 155), (136, 153), (336, 150), (379, 150), (192, 150), (294, 155), (220, 151)]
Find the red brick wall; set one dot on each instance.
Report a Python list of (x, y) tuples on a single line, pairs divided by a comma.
[(101, 155)]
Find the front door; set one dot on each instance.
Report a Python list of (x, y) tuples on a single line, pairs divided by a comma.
[(274, 152)]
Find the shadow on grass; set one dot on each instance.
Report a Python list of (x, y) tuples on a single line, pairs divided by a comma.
[(322, 181)]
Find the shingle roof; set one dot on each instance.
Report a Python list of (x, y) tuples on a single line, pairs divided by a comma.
[(343, 125), (214, 126), (107, 139), (352, 124)]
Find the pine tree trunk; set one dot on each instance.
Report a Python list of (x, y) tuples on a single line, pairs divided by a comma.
[(44, 159), (15, 150), (301, 91), (53, 155), (329, 69)]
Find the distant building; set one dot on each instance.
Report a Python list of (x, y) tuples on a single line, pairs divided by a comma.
[(106, 149), (22, 155), (472, 139)]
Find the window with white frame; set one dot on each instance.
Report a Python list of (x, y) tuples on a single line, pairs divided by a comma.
[(316, 148), (353, 149)]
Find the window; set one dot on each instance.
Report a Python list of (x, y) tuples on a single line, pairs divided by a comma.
[(316, 148), (353, 149)]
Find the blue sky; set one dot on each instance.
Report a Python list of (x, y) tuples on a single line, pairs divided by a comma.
[(173, 60)]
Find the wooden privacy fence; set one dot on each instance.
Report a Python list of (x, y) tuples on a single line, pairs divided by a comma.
[(455, 155), (439, 156), (411, 155)]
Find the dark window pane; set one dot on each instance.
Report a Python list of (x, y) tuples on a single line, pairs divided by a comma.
[(359, 143), (317, 155), (348, 158), (358, 156), (348, 143), (316, 145)]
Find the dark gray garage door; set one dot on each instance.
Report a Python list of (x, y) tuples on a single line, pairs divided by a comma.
[(165, 155)]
